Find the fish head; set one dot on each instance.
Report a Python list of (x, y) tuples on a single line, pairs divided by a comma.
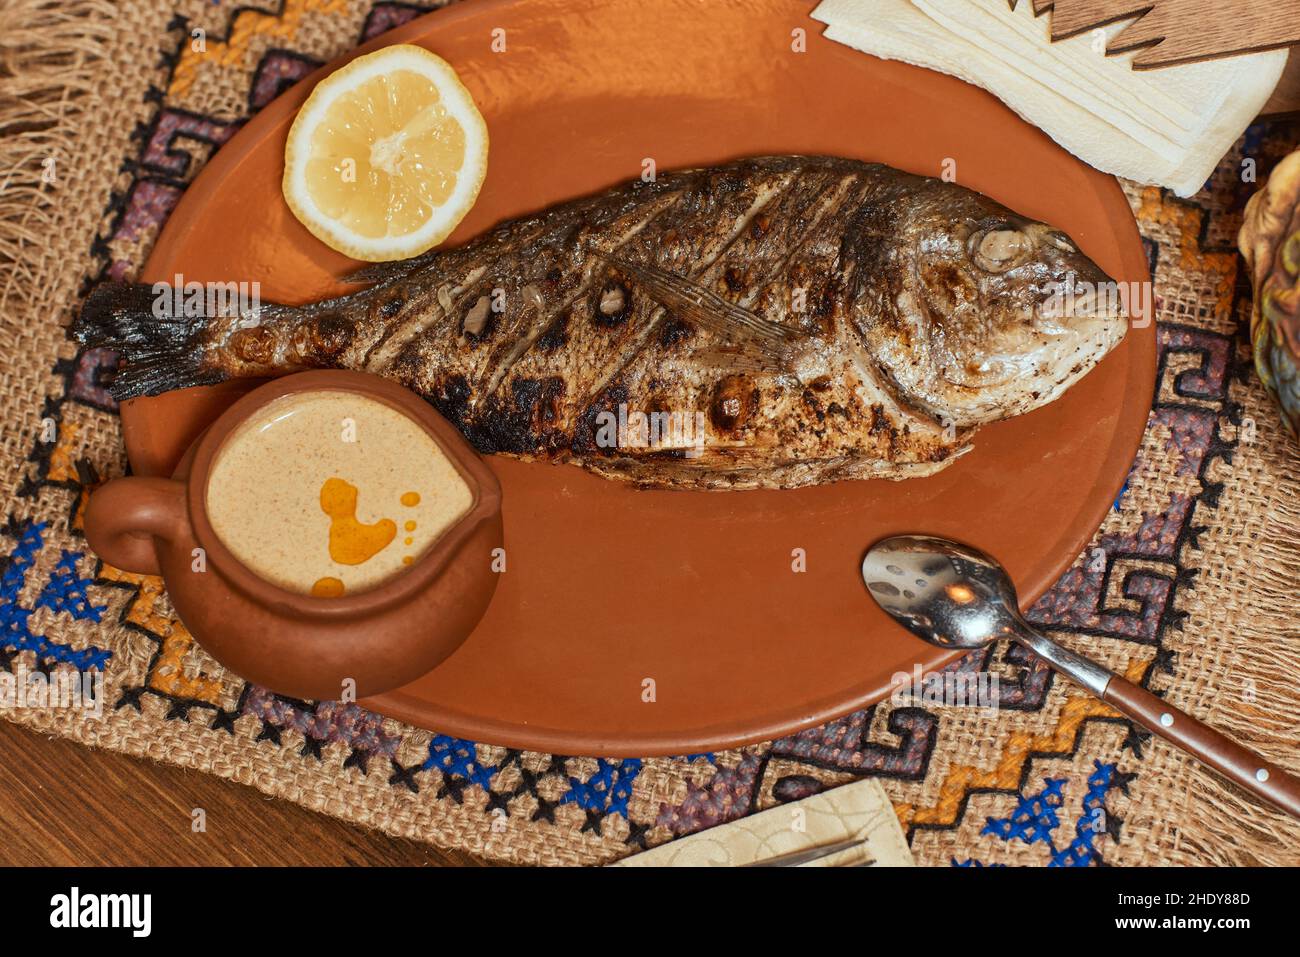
[(992, 314)]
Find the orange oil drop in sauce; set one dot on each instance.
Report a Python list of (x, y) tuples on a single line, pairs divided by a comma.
[(352, 542), (327, 587)]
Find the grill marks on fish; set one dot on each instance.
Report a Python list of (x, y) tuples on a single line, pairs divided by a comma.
[(699, 260), (747, 241), (428, 320), (546, 262), (597, 344), (545, 318), (755, 411), (748, 301), (787, 239), (751, 229)]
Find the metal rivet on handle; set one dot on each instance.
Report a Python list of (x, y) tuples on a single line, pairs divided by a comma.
[(1166, 719), (1261, 775)]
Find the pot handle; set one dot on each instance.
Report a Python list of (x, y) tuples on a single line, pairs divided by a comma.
[(125, 516)]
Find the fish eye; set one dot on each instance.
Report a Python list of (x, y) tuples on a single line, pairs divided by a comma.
[(998, 249)]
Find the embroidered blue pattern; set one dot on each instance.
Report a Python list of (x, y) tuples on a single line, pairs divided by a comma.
[(64, 593), (1123, 489), (608, 790), (458, 758), (692, 758), (1091, 823), (1035, 819)]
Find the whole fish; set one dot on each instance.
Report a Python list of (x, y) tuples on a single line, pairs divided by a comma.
[(771, 323)]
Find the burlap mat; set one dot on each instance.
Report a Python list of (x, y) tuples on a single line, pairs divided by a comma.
[(107, 113)]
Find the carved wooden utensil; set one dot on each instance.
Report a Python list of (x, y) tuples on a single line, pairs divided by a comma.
[(1169, 32), (955, 596)]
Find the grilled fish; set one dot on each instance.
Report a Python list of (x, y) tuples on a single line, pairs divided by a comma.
[(771, 323)]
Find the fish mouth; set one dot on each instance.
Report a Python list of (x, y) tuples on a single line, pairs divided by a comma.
[(1091, 324), (1096, 337), (1041, 366), (1102, 299)]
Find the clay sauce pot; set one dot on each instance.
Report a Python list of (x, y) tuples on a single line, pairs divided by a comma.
[(297, 644)]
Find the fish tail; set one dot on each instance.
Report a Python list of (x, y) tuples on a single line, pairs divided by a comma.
[(159, 352), (159, 349)]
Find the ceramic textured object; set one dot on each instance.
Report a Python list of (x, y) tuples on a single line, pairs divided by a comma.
[(1270, 241), (297, 644)]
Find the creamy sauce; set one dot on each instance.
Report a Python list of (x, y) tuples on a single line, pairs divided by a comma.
[(310, 492)]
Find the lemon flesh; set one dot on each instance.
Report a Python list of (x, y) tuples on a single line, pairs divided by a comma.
[(386, 156)]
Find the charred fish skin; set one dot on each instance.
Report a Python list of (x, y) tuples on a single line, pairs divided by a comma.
[(771, 323)]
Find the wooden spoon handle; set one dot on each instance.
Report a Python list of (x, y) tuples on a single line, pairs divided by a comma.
[(1220, 752)]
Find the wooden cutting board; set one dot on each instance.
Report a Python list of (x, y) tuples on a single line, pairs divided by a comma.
[(1168, 32)]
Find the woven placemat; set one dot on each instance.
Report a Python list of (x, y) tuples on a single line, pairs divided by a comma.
[(108, 110)]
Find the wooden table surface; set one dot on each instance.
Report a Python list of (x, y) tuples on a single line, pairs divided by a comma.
[(62, 803), (65, 804)]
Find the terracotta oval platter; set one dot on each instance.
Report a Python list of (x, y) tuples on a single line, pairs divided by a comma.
[(606, 586)]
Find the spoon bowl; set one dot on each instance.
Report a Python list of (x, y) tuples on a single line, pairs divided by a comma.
[(945, 593)]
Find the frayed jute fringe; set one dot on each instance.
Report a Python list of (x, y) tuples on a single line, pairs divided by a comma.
[(1261, 706), (52, 53), (1238, 668)]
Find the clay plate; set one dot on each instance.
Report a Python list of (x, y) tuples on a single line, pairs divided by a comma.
[(607, 586)]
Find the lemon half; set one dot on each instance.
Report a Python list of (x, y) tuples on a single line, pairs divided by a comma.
[(386, 156)]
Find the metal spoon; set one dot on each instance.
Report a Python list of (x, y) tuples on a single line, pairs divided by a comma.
[(954, 596)]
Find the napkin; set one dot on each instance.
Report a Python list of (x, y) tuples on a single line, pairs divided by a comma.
[(1169, 126), (858, 810)]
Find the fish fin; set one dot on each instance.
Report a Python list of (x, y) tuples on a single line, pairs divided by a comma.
[(691, 301), (372, 273), (738, 358), (381, 272), (159, 352), (728, 456)]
